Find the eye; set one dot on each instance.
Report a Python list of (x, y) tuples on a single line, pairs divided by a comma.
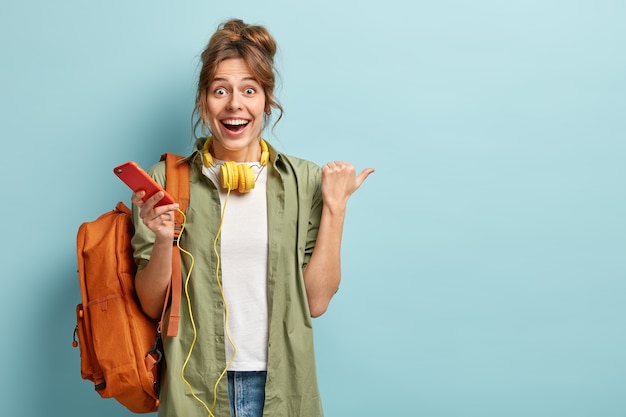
[(220, 91), (249, 91)]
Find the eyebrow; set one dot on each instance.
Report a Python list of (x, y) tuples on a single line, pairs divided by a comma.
[(222, 79)]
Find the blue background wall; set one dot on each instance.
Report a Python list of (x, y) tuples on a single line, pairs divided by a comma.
[(484, 261)]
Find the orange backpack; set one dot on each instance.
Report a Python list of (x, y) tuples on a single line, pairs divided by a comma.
[(120, 347)]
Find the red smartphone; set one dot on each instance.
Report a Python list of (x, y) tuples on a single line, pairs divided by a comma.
[(138, 179)]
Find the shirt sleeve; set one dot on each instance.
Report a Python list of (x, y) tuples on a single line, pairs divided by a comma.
[(315, 213)]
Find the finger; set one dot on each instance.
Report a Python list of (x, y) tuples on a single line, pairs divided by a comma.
[(363, 175), (171, 208), (137, 197), (156, 197), (338, 167), (147, 207), (157, 216), (168, 216)]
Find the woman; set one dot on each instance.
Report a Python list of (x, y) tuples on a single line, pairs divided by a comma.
[(263, 260)]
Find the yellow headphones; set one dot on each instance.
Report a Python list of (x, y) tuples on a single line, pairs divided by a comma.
[(235, 176)]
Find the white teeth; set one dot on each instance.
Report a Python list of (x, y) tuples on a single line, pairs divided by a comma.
[(235, 122)]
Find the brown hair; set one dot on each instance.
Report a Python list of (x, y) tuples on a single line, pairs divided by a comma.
[(236, 39)]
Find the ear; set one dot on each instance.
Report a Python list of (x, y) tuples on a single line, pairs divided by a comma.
[(268, 104)]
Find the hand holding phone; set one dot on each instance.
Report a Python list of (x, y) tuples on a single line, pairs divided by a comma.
[(138, 179)]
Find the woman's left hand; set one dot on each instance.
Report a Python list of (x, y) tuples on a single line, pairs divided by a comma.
[(339, 181)]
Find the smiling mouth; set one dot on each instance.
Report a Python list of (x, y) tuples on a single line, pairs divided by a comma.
[(235, 125)]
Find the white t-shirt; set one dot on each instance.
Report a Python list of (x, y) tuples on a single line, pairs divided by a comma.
[(243, 258)]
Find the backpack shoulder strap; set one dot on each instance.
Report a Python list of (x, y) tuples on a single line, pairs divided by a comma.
[(176, 185), (177, 181)]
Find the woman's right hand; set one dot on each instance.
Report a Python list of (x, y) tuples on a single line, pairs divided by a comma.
[(160, 220)]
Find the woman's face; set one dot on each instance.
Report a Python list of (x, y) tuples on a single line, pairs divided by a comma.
[(235, 105)]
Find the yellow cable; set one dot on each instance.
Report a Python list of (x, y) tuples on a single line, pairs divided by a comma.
[(193, 323)]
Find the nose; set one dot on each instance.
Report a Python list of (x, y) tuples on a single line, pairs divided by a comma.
[(234, 103)]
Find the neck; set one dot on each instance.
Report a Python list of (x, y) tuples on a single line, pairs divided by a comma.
[(214, 149)]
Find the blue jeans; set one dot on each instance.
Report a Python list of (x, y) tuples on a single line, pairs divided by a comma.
[(246, 391)]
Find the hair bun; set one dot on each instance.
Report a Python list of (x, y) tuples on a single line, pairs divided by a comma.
[(239, 31)]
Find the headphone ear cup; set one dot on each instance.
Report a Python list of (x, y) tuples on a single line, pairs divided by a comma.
[(238, 177), (246, 178), (207, 158), (265, 153), (232, 175), (228, 175)]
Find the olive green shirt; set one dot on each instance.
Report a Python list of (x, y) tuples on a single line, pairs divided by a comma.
[(294, 206)]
